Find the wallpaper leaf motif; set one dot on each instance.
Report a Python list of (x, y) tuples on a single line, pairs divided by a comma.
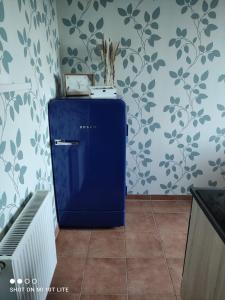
[(194, 85), (218, 165), (166, 74), (5, 56), (91, 43), (146, 28), (150, 62), (12, 168), (221, 78), (20, 165)]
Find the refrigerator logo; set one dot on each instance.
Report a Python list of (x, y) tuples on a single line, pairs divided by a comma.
[(88, 126)]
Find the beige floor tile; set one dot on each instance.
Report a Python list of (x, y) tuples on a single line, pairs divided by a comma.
[(106, 245), (73, 242), (143, 244), (105, 276), (148, 276)]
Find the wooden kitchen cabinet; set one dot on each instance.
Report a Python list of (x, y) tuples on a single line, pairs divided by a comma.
[(204, 265)]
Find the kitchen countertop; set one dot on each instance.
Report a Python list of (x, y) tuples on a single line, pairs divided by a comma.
[(212, 203)]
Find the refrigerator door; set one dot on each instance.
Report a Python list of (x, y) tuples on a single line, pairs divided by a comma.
[(88, 140)]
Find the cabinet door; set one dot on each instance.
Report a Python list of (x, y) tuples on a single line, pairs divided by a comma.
[(204, 268)]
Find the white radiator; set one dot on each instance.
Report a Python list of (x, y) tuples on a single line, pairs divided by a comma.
[(28, 252)]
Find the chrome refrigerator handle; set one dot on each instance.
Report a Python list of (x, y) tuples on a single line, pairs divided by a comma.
[(65, 143)]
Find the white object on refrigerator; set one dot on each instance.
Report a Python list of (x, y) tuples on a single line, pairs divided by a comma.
[(102, 92)]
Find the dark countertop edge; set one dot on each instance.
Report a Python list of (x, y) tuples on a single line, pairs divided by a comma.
[(207, 212)]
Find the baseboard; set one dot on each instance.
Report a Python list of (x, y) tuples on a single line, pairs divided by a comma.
[(158, 197), (138, 197)]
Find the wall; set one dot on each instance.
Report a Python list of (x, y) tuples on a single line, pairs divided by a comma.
[(28, 56), (170, 72)]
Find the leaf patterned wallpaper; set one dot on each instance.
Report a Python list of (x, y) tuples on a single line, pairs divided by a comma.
[(170, 71), (29, 56)]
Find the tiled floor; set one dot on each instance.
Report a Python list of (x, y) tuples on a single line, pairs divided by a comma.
[(141, 261)]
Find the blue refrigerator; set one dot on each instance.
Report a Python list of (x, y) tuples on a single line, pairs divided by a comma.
[(88, 148)]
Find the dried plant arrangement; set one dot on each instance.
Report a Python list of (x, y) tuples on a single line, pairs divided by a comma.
[(109, 51)]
